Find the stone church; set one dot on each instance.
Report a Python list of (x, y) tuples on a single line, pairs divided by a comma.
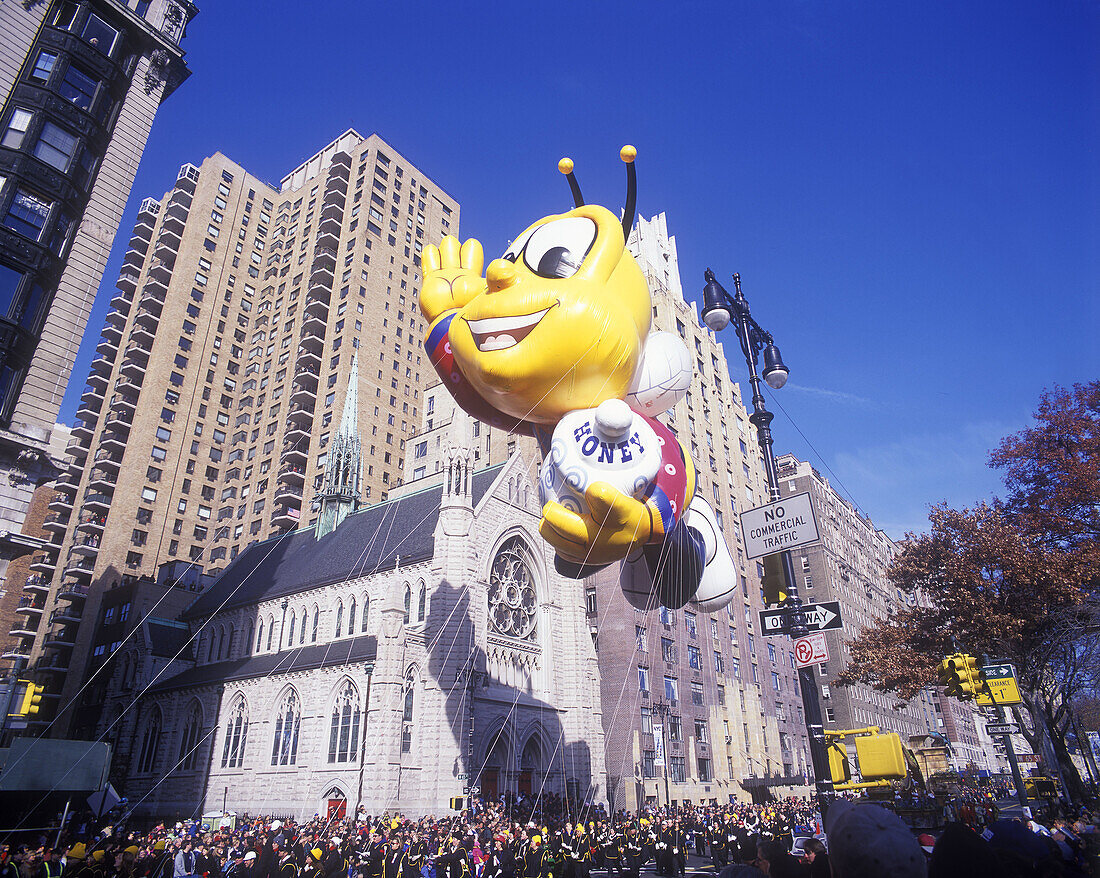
[(391, 657)]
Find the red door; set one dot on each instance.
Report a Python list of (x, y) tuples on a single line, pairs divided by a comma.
[(337, 809), (489, 784)]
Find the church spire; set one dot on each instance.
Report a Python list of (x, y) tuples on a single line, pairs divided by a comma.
[(339, 496)]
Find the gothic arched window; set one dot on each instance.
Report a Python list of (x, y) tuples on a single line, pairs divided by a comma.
[(284, 748), (366, 610), (248, 637), (422, 604), (227, 645), (407, 714), (316, 617), (290, 636), (339, 617), (236, 730), (150, 743), (189, 741), (302, 636), (260, 637), (408, 604), (512, 599), (351, 616), (270, 631), (344, 731)]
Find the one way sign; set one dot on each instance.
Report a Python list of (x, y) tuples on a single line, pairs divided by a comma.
[(819, 617)]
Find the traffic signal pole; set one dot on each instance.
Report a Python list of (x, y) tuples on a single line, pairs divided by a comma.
[(1017, 778)]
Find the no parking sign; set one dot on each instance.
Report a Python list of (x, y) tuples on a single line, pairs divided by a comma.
[(811, 650)]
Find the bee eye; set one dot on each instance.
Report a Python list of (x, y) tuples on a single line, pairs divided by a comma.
[(558, 248), (511, 257)]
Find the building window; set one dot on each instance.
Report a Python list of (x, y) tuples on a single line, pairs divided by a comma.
[(643, 678), (150, 743), (284, 747), (344, 728), (55, 146), (236, 731), (351, 617), (647, 721), (43, 66), (649, 763), (339, 617), (668, 649), (17, 128), (704, 769), (677, 769), (99, 34), (189, 742), (27, 214), (316, 618), (513, 602), (670, 689), (407, 715), (696, 693), (694, 659)]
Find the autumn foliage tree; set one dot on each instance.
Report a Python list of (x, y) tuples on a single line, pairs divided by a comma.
[(1015, 579)]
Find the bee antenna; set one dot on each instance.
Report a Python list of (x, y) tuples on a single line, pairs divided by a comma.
[(628, 153), (566, 167)]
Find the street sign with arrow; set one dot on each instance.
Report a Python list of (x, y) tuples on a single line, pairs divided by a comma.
[(819, 617)]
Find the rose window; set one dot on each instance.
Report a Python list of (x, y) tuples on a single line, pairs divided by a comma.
[(512, 600)]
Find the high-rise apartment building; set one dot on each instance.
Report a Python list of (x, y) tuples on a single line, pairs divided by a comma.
[(723, 697), (80, 85), (849, 564), (207, 416)]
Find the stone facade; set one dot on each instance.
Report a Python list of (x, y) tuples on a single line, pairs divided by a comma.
[(455, 658)]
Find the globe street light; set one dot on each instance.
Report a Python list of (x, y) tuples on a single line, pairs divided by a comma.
[(719, 310)]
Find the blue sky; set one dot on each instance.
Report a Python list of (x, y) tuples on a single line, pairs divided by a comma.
[(909, 190)]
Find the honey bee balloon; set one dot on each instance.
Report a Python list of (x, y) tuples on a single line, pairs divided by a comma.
[(558, 326)]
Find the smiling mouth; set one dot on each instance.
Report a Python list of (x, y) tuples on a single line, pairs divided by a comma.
[(498, 333)]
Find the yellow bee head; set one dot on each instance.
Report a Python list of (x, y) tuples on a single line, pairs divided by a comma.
[(564, 316)]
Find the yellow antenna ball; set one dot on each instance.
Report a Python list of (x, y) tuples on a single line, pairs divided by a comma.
[(628, 153), (566, 165)]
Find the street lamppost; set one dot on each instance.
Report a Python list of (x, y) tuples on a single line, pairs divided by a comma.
[(719, 309), (662, 709)]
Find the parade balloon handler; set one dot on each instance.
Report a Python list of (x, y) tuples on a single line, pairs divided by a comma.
[(555, 342)]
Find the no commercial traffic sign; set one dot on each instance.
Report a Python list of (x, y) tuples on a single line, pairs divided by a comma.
[(782, 524)]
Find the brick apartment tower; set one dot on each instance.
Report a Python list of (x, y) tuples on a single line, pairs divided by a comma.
[(207, 416), (80, 85)]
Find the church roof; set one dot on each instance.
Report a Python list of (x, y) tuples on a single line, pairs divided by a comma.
[(303, 658), (365, 542)]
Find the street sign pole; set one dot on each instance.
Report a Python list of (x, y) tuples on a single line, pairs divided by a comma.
[(761, 418), (1017, 778)]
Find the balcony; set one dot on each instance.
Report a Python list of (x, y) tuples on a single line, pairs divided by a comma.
[(53, 663), (87, 546), (56, 522), (329, 238), (142, 337), (113, 442), (83, 430), (105, 458), (320, 290), (134, 369), (302, 394), (147, 214), (37, 584), (127, 283), (286, 516), (101, 367), (134, 257), (292, 473), (94, 500), (79, 567), (335, 195), (324, 258), (166, 247), (66, 615), (179, 205), (295, 454), (89, 411), (299, 413), (29, 605), (24, 628), (92, 523), (97, 381), (308, 360), (148, 313), (61, 502), (72, 590), (118, 419), (43, 563), (93, 395), (113, 325), (321, 275), (289, 495), (61, 638)]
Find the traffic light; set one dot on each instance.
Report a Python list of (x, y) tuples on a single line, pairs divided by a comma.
[(774, 584), (839, 769), (972, 681), (32, 695), (951, 675), (458, 803), (881, 756)]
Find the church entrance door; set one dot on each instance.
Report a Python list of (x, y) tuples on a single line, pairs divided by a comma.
[(489, 788), (337, 805)]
